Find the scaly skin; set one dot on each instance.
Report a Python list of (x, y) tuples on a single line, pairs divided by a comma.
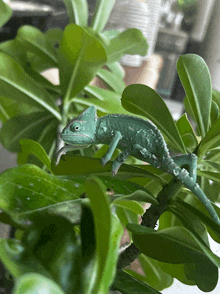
[(133, 136)]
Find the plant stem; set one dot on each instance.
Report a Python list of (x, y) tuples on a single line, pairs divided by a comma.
[(149, 219)]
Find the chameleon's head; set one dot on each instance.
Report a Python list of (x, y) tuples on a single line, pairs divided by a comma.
[(81, 130)]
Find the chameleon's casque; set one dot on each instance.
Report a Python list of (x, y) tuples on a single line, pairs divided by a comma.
[(133, 136)]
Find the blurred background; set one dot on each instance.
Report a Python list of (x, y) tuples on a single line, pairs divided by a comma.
[(171, 27)]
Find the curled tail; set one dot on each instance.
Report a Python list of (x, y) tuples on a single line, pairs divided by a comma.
[(183, 176)]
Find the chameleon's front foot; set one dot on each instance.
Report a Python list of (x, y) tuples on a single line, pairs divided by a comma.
[(59, 154), (104, 160)]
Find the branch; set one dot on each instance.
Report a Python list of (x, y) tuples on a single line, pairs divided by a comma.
[(149, 219)]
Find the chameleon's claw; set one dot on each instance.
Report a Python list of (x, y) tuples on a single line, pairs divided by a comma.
[(59, 154), (104, 160), (114, 172)]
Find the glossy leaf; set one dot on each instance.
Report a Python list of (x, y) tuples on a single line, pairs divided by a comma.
[(119, 189), (214, 176), (88, 246), (150, 105), (211, 139), (24, 126), (130, 205), (187, 133), (104, 100), (127, 284), (131, 41), (14, 49), (36, 42), (54, 36), (177, 271), (31, 147), (206, 270), (214, 259), (126, 216), (34, 283), (21, 88), (10, 108), (154, 275), (12, 254), (77, 11), (75, 165), (195, 77), (214, 112), (102, 12), (5, 13), (172, 245), (208, 221), (116, 68), (111, 80), (81, 56), (64, 262), (106, 228), (27, 189)]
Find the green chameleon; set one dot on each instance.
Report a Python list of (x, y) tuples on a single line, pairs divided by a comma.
[(133, 136)]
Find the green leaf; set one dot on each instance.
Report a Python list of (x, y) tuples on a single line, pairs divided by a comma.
[(211, 139), (214, 176), (24, 126), (34, 283), (10, 108), (36, 42), (111, 80), (120, 190), (17, 85), (214, 112), (12, 254), (31, 147), (131, 41), (177, 271), (104, 100), (117, 69), (15, 50), (149, 104), (77, 11), (208, 221), (127, 284), (187, 133), (206, 271), (102, 12), (54, 36), (172, 245), (81, 56), (64, 262), (154, 275), (88, 245), (106, 228), (130, 205), (196, 80), (26, 190), (5, 13), (75, 165)]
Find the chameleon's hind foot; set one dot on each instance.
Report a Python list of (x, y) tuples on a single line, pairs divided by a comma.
[(104, 160)]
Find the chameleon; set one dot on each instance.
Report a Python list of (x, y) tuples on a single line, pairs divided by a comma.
[(132, 136)]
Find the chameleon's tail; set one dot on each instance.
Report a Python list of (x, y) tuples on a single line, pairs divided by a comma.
[(183, 176)]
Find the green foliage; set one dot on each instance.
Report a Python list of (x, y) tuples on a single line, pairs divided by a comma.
[(6, 13), (69, 218)]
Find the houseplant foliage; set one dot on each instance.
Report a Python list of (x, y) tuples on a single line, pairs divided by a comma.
[(69, 218)]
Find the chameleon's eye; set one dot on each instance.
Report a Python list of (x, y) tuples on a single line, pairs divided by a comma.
[(75, 127)]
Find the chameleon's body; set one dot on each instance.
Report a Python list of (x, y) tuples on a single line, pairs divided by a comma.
[(133, 136)]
